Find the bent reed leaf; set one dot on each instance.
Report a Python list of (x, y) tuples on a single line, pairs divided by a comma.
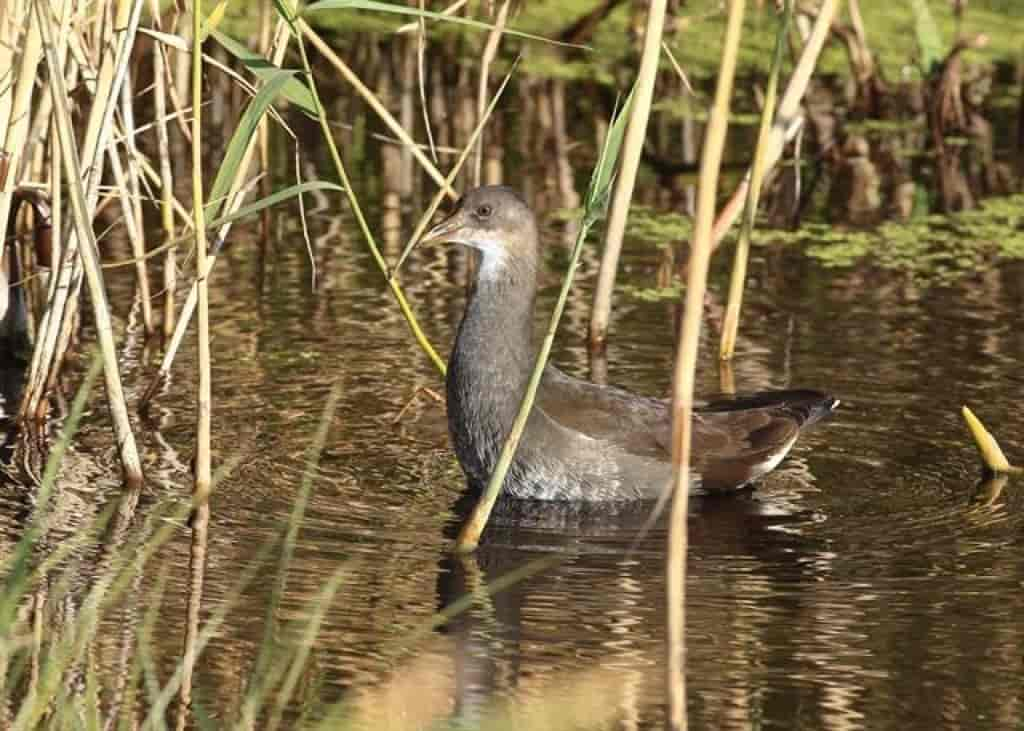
[(247, 125), (294, 90)]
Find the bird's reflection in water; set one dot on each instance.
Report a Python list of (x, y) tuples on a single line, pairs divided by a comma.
[(506, 643)]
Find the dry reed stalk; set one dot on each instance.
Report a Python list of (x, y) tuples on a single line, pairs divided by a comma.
[(788, 121), (8, 42), (134, 201), (631, 152), (202, 468), (686, 366), (89, 254), (52, 342), (47, 335), (15, 114), (163, 144), (490, 52), (375, 104), (201, 489), (134, 226), (737, 282)]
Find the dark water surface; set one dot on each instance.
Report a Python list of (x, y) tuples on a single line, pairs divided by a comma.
[(871, 583)]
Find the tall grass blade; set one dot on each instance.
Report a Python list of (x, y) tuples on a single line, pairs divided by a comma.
[(339, 167)]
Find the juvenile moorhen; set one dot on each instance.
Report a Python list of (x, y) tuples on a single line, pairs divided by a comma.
[(583, 441)]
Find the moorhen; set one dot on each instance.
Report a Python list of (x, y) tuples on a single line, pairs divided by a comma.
[(583, 441)]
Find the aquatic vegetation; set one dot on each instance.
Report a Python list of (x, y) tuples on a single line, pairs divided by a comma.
[(933, 249)]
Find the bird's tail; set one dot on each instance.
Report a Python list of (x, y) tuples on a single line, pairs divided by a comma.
[(805, 405)]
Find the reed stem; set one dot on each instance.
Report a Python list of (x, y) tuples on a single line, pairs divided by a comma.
[(201, 490), (594, 207), (738, 280), (686, 366), (632, 150), (132, 468), (490, 51)]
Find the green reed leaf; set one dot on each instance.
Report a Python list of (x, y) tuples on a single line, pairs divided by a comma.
[(247, 125), (293, 90)]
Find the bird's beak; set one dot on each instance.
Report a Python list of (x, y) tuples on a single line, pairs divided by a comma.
[(444, 231)]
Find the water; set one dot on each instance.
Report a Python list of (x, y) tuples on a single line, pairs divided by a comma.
[(871, 582)]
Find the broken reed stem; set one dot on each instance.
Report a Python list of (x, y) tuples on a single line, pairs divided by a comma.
[(375, 104), (730, 326), (490, 51), (339, 167), (89, 254), (631, 152), (686, 366)]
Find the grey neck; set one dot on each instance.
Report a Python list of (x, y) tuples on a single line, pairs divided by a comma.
[(491, 363)]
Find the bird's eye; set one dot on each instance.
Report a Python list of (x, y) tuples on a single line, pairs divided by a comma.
[(484, 211)]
